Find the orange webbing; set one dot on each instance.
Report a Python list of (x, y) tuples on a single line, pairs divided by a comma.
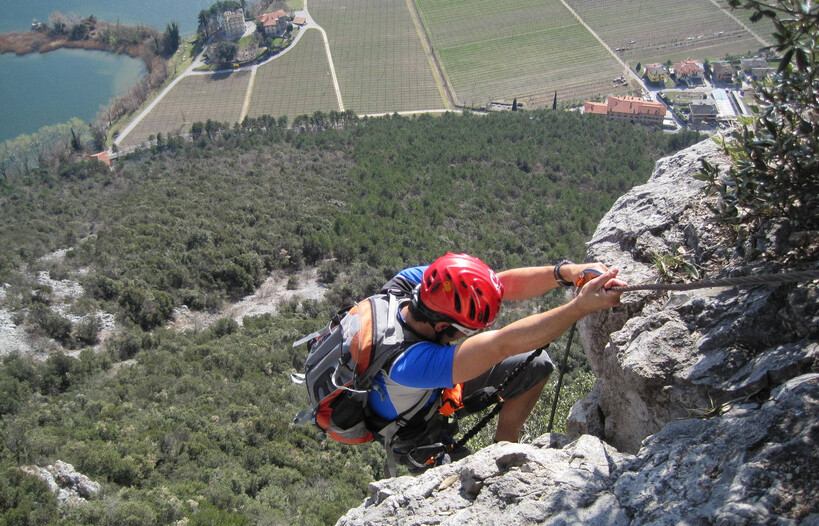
[(451, 400), (361, 347)]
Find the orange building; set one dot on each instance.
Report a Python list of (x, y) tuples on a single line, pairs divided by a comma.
[(632, 109), (102, 157)]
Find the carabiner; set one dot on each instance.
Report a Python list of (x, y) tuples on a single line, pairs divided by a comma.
[(586, 276)]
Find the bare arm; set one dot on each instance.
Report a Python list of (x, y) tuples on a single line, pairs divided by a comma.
[(530, 282), (477, 354)]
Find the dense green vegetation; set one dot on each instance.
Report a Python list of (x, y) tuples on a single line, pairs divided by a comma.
[(196, 424)]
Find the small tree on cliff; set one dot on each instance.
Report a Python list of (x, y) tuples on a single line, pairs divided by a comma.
[(776, 154)]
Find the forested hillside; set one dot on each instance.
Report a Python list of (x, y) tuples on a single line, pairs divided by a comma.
[(196, 424)]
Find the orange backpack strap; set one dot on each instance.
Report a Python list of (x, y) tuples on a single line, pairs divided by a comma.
[(451, 400)]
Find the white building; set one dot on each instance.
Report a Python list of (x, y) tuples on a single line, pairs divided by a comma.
[(233, 23)]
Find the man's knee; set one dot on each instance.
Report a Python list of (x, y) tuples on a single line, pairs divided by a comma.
[(534, 375), (538, 372), (542, 368)]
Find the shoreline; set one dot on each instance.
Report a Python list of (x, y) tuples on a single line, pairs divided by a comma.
[(24, 43)]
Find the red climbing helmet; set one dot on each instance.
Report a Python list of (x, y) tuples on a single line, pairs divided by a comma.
[(463, 288)]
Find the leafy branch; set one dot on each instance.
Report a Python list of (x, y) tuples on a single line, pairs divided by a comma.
[(776, 171)]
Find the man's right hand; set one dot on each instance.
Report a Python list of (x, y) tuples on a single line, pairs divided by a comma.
[(595, 294)]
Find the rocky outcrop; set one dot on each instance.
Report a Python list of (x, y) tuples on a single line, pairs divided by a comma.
[(72, 488), (664, 357), (706, 405), (750, 466)]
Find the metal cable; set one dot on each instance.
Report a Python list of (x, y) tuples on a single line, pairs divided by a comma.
[(763, 279)]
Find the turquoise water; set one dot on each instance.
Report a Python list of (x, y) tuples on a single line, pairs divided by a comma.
[(18, 14), (39, 90)]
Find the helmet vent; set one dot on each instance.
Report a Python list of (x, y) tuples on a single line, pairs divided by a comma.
[(457, 299), (471, 309)]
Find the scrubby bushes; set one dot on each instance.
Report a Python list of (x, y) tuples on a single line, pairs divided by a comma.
[(25, 500), (204, 416)]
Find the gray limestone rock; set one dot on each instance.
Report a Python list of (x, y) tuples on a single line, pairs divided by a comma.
[(661, 357), (753, 465), (706, 404), (503, 484), (72, 488)]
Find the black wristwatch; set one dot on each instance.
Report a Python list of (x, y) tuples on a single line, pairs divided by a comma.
[(560, 280)]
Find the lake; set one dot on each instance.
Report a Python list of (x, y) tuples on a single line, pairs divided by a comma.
[(39, 90)]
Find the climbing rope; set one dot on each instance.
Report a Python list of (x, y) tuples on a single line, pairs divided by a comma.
[(560, 377)]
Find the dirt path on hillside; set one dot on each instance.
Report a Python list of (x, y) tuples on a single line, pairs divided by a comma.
[(267, 299)]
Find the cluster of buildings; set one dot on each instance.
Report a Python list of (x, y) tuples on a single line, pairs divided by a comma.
[(711, 105), (632, 109), (692, 72), (272, 24)]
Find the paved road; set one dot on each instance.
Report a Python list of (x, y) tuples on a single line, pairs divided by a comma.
[(199, 61)]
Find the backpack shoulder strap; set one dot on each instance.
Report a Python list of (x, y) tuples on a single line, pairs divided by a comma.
[(384, 348)]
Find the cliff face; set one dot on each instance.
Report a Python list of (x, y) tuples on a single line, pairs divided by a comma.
[(706, 407), (666, 357)]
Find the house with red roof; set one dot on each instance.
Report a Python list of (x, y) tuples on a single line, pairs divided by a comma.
[(632, 109), (689, 71), (273, 24), (102, 157)]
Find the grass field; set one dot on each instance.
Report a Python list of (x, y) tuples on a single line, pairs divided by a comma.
[(519, 49), (298, 82), (763, 28), (379, 59), (196, 98), (524, 49), (665, 30)]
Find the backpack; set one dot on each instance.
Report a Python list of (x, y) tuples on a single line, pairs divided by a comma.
[(342, 360)]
